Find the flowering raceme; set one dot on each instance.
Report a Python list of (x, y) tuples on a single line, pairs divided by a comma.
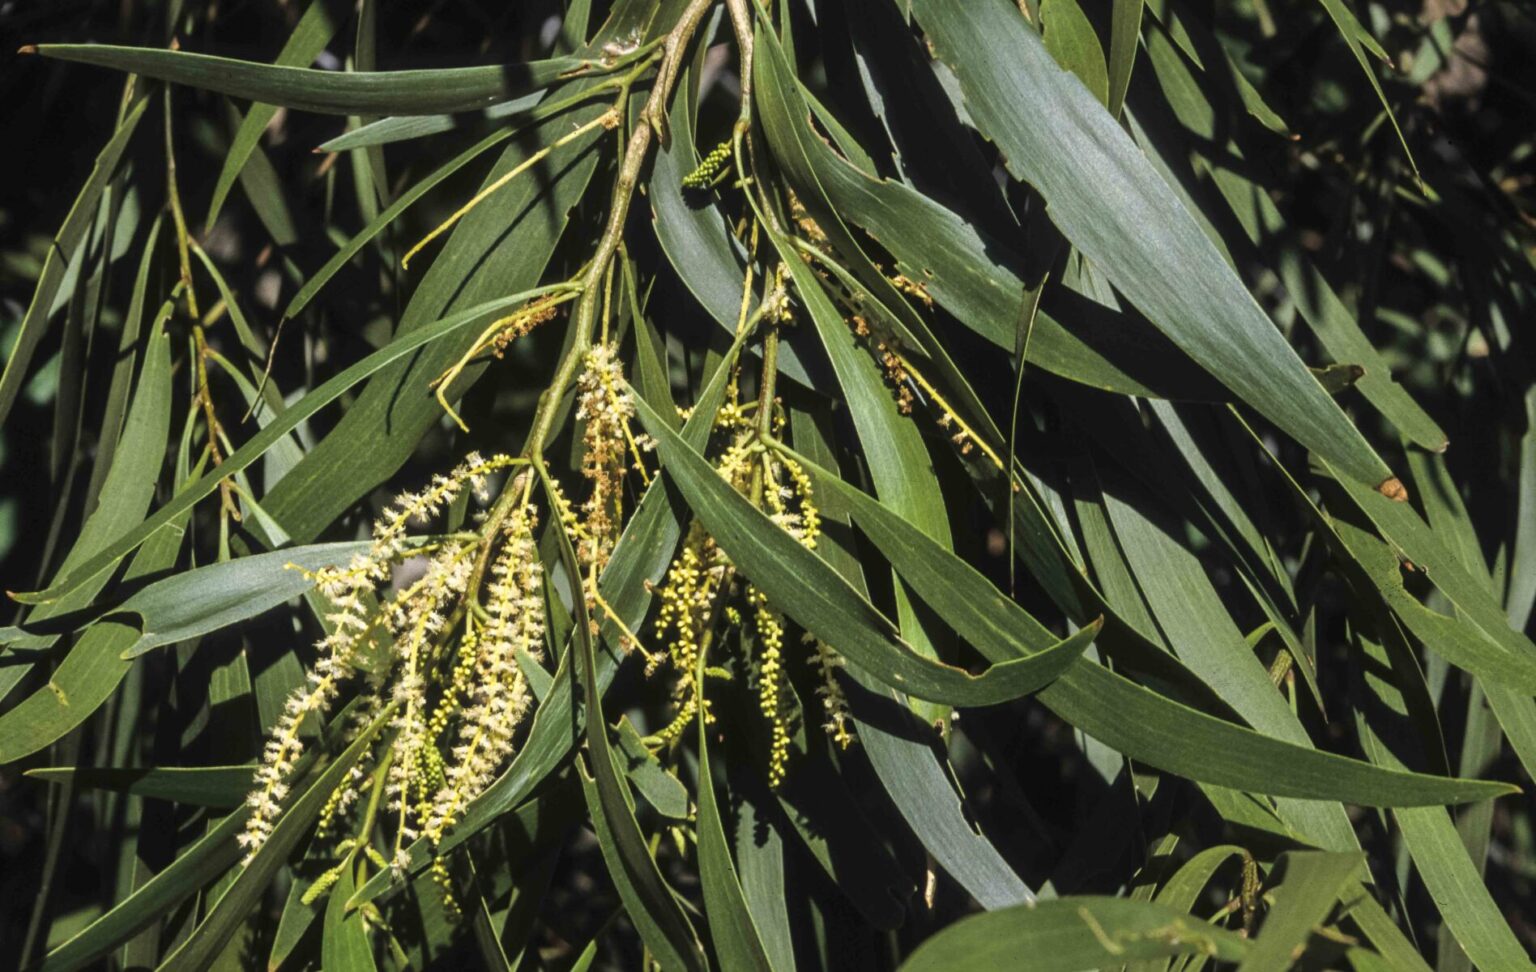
[(701, 590), (604, 407), (445, 666)]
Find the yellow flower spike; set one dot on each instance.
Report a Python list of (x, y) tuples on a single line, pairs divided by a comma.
[(687, 600), (810, 516), (473, 472), (605, 408), (804, 523), (679, 595), (618, 400), (684, 719), (328, 813), (346, 589), (460, 685), (496, 695), (444, 882), (418, 620), (770, 637), (704, 176), (324, 883), (735, 465)]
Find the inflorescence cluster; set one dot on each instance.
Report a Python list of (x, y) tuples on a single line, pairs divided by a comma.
[(433, 632), (408, 624), (701, 590)]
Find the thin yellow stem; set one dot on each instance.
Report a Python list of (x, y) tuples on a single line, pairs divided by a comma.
[(613, 616), (673, 48), (173, 191), (202, 396), (607, 119), (943, 403), (447, 378)]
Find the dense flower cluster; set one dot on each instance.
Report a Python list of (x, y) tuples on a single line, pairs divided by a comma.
[(710, 168), (499, 697), (770, 682), (445, 667), (701, 590), (605, 408), (689, 597)]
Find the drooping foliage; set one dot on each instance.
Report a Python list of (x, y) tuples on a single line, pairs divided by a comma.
[(768, 485)]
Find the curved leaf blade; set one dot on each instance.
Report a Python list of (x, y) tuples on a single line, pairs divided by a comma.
[(208, 599), (1073, 933), (203, 786), (1128, 717), (55, 264), (259, 443), (422, 92), (1110, 203), (808, 590)]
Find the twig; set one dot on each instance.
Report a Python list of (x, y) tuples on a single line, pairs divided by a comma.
[(623, 190), (607, 119)]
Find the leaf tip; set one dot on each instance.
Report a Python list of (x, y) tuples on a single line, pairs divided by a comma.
[(27, 49), (1393, 489)]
